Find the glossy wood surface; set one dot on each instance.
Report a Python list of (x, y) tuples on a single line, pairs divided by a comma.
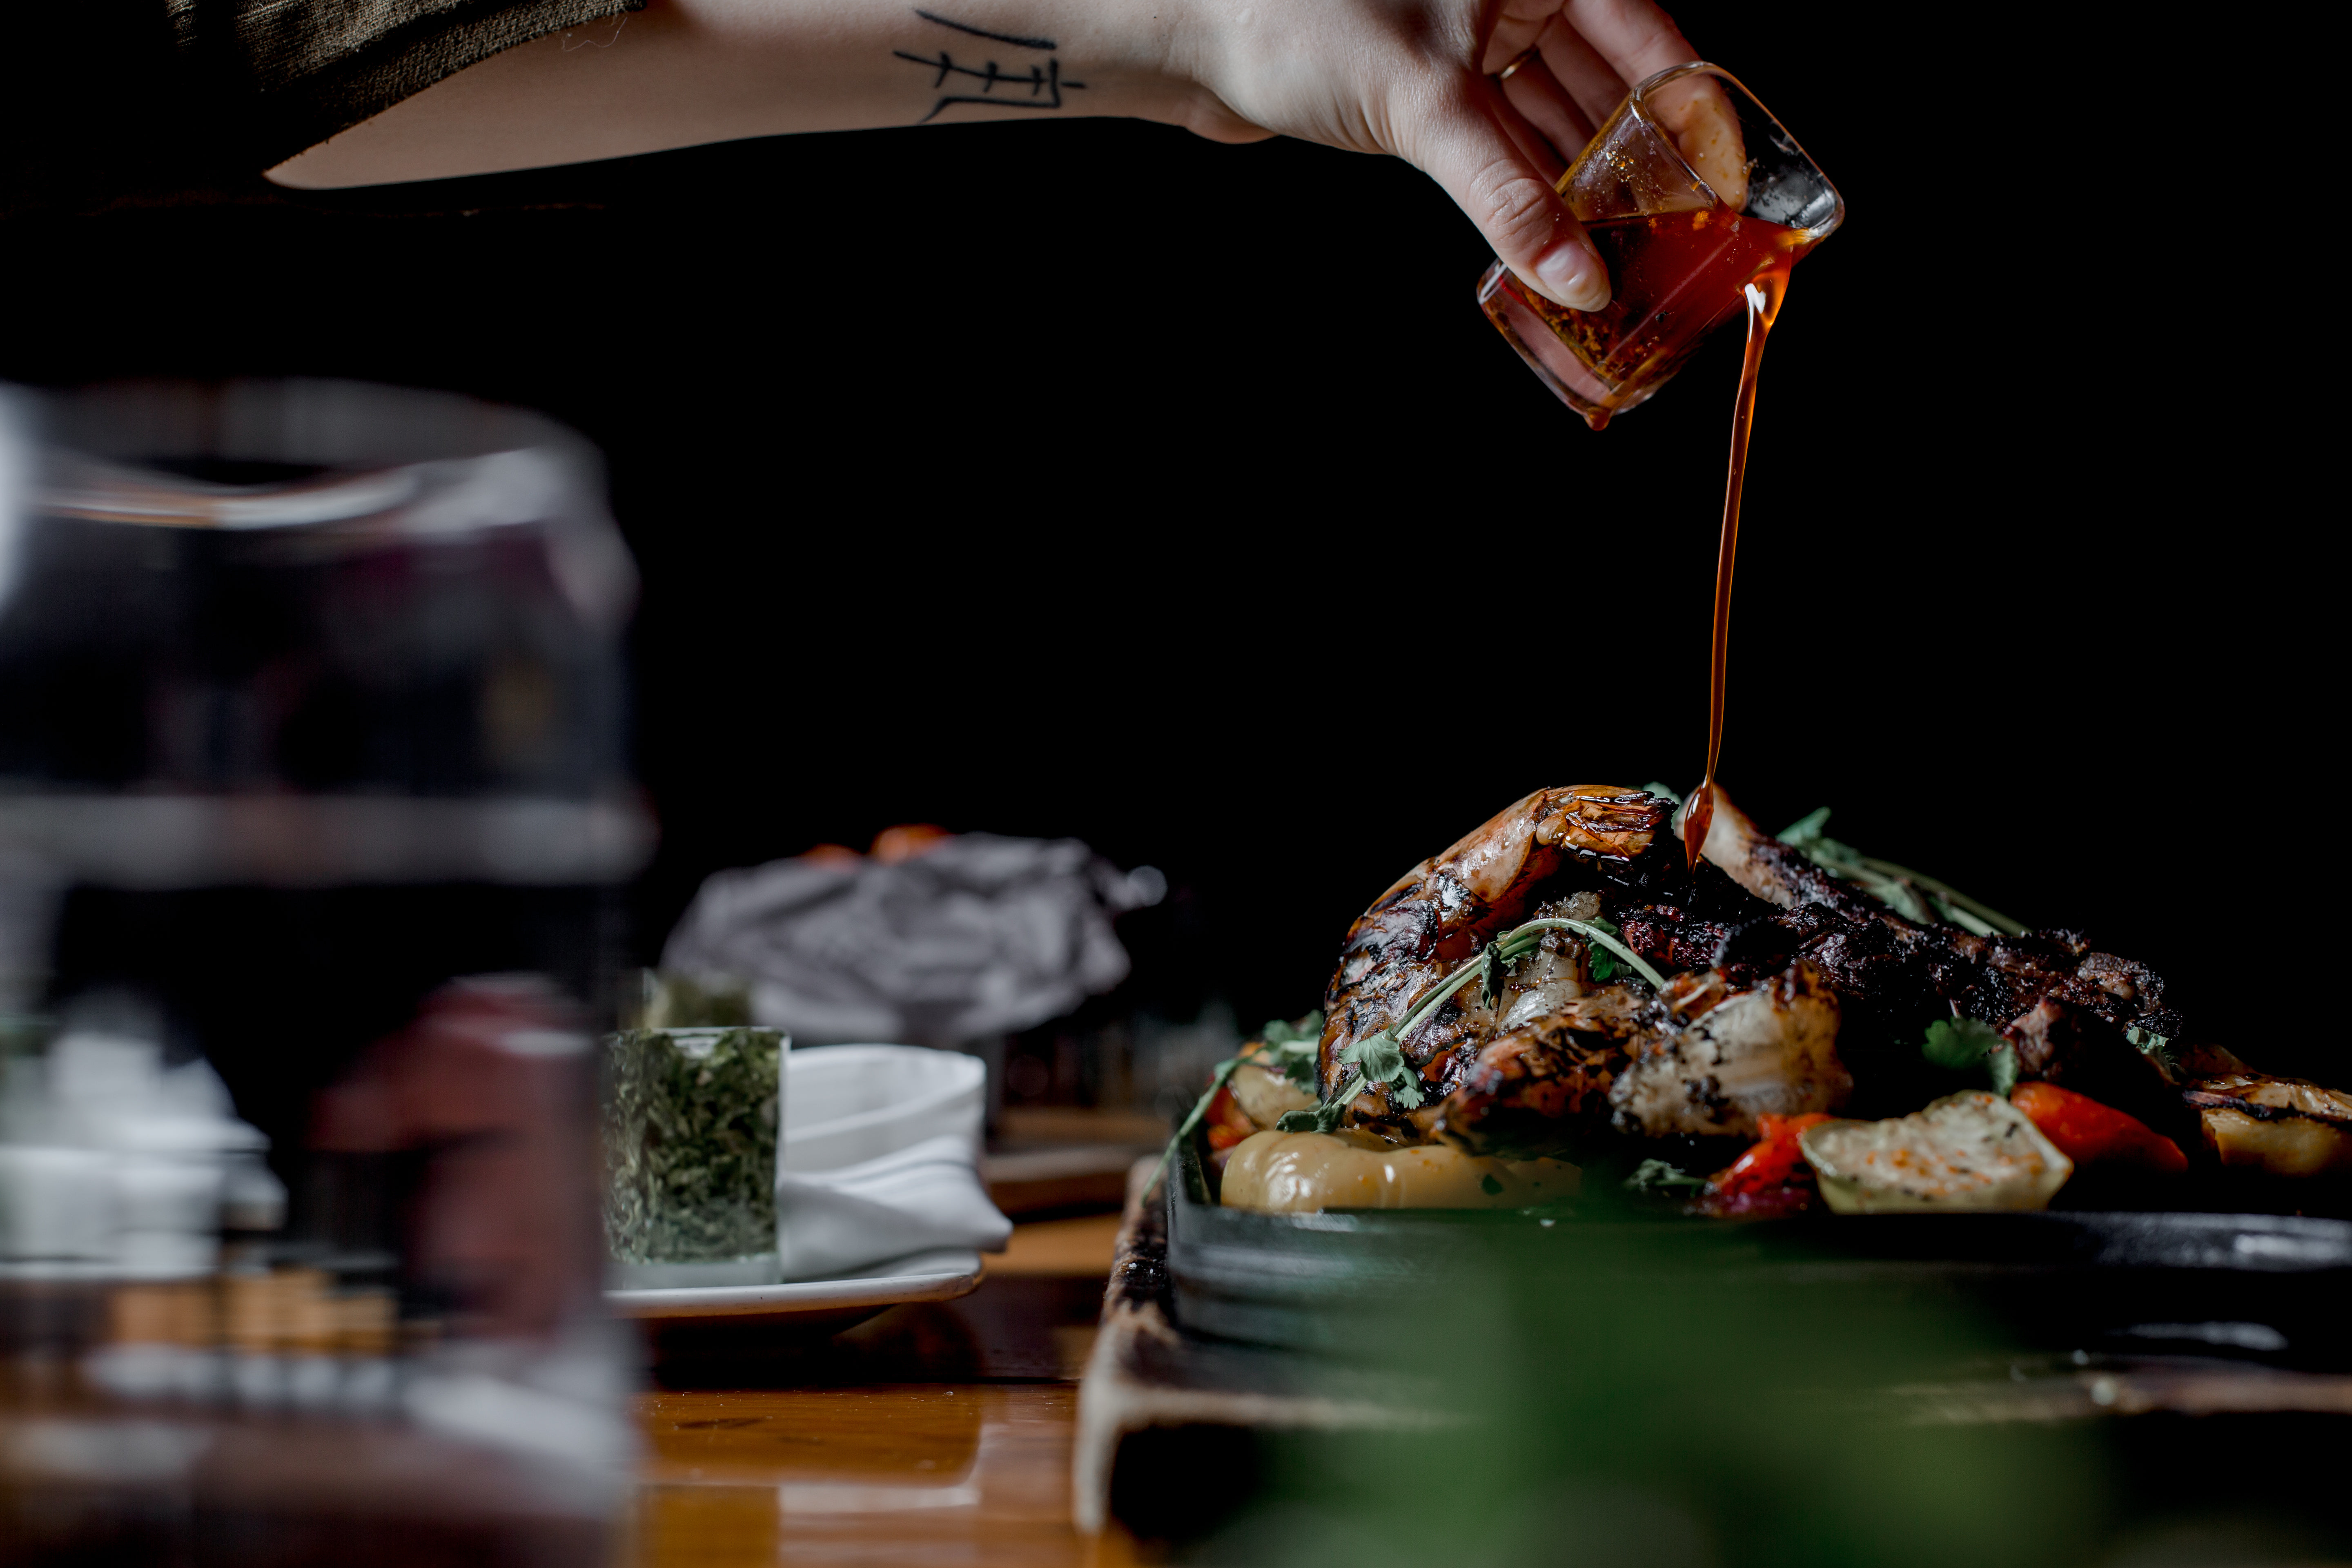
[(972, 1474), (907, 1441)]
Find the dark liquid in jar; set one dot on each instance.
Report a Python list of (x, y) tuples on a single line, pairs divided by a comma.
[(1674, 277)]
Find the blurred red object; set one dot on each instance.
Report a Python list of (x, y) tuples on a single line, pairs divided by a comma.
[(1771, 1178), (2087, 1131), (491, 1087), (1228, 1125), (907, 841)]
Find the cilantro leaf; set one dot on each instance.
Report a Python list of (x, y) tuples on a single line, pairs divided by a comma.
[(1963, 1044), (1604, 962), (1278, 1033), (1655, 1175), (1379, 1059), (2003, 1063), (1959, 1044), (2156, 1047)]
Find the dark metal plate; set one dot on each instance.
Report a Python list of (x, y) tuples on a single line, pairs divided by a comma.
[(2270, 1288)]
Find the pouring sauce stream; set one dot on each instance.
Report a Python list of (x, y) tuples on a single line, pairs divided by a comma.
[(1763, 293)]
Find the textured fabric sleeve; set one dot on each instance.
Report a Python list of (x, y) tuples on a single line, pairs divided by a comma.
[(108, 101), (308, 68)]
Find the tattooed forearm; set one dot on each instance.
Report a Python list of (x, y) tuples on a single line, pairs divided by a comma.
[(1044, 82)]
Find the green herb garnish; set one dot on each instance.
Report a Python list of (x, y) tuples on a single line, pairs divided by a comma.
[(2156, 1047), (1963, 1044), (1604, 962), (1656, 1175), (1290, 1049), (1379, 1057), (1906, 892)]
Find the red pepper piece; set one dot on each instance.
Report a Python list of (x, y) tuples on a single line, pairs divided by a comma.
[(1228, 1123), (1770, 1179), (2086, 1131), (1771, 1160)]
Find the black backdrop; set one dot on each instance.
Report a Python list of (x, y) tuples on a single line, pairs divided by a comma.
[(1081, 477)]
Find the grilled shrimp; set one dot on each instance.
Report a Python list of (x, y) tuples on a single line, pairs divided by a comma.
[(1441, 913), (1775, 872)]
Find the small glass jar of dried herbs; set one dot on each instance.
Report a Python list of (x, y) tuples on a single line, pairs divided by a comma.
[(690, 1126)]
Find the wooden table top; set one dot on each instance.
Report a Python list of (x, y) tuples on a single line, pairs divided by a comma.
[(847, 1452)]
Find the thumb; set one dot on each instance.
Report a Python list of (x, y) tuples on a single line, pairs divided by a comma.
[(1466, 150)]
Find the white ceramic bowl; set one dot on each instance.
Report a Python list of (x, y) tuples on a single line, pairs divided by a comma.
[(849, 1104)]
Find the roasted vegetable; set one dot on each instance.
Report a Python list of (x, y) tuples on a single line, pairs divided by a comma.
[(2088, 1133), (2287, 1126), (1228, 1123), (1771, 1177), (1970, 1151), (1303, 1173)]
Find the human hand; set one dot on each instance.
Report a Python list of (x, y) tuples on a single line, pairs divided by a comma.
[(1490, 99)]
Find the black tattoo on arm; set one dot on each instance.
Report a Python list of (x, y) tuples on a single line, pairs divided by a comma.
[(1045, 83)]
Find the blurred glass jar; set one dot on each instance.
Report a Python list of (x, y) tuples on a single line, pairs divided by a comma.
[(267, 645), (312, 766)]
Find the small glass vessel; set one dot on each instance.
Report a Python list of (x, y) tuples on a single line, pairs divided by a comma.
[(690, 1128), (1689, 192)]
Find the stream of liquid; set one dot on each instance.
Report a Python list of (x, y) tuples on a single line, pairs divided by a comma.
[(1763, 293)]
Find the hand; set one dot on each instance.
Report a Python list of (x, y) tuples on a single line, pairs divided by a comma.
[(1490, 100)]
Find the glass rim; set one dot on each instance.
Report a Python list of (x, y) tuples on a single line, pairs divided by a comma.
[(1636, 102)]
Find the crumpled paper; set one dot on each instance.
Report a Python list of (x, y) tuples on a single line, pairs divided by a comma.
[(980, 935)]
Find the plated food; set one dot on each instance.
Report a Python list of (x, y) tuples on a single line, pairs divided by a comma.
[(1815, 1029)]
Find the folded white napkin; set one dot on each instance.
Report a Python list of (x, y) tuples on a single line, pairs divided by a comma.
[(878, 1159), (923, 1196)]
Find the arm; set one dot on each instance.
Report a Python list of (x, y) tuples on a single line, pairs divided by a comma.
[(1417, 78)]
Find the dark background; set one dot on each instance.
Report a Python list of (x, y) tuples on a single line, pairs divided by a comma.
[(1085, 478)]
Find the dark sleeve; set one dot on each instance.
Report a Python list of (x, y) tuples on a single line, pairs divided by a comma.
[(107, 102)]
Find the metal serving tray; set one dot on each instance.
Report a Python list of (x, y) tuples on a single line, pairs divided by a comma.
[(2275, 1288)]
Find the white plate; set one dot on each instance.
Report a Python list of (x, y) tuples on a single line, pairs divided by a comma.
[(925, 1277)]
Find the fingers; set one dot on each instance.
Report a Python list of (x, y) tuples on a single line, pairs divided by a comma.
[(1586, 78), (1536, 146), (1465, 149), (1536, 95), (1633, 36)]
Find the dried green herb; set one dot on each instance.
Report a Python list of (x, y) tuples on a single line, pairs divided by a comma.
[(690, 1143), (666, 1001)]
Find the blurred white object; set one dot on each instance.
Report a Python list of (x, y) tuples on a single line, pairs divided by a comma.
[(978, 935), (107, 1158), (881, 1148), (849, 1104)]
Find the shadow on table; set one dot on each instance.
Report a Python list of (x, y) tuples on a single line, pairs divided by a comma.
[(1014, 1328)]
